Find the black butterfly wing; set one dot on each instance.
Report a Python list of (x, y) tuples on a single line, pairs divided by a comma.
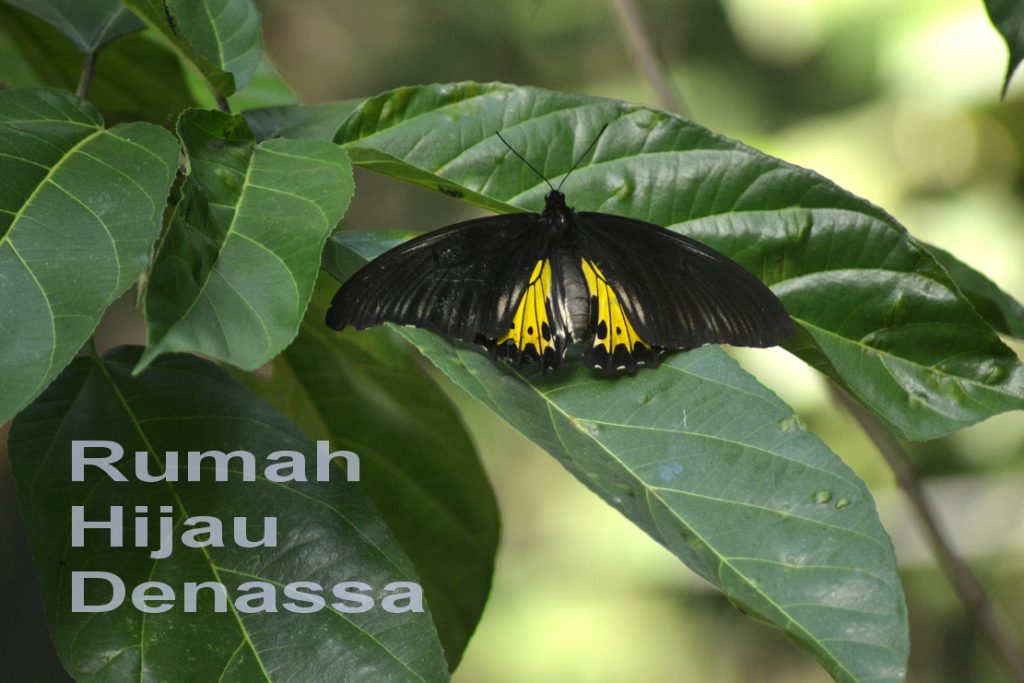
[(673, 292), (465, 281)]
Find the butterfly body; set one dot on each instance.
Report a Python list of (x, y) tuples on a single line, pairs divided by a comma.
[(528, 285)]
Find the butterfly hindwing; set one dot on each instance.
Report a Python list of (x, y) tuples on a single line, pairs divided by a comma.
[(616, 343), (537, 329), (676, 293)]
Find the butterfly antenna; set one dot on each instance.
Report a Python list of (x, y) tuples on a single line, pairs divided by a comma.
[(523, 159), (583, 156)]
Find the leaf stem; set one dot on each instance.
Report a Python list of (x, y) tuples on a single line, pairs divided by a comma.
[(87, 71), (642, 51), (222, 104), (966, 585)]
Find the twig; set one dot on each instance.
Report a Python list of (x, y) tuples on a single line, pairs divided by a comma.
[(968, 589), (87, 71), (93, 348), (650, 66)]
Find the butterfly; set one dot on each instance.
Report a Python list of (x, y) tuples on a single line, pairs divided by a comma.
[(527, 285)]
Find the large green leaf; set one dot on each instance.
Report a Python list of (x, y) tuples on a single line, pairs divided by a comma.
[(421, 470), (717, 469), (877, 312), (80, 208), (136, 77), (236, 267), (327, 533), (221, 38), (87, 24), (1008, 18)]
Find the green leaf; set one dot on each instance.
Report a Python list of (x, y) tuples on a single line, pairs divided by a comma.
[(220, 38), (877, 313), (326, 533), (15, 72), (999, 309), (235, 269), (87, 24), (136, 78), (1008, 18), (722, 473), (420, 468), (80, 208), (266, 88), (312, 121)]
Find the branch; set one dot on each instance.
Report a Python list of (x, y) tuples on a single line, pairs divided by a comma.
[(642, 52), (87, 71), (966, 585)]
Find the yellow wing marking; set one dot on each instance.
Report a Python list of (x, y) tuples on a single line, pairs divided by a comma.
[(531, 324), (612, 327)]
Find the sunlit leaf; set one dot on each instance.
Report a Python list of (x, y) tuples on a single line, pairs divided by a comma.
[(876, 312), (234, 271), (420, 468), (80, 208), (326, 533)]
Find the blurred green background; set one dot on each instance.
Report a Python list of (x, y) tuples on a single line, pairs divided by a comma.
[(897, 101)]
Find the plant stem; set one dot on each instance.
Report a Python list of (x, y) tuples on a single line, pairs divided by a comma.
[(87, 71), (94, 350), (966, 585), (642, 51), (222, 104)]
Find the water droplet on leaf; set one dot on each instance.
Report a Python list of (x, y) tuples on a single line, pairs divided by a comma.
[(992, 372), (792, 423), (877, 340), (669, 470)]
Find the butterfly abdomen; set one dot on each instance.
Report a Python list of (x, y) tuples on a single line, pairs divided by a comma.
[(575, 300)]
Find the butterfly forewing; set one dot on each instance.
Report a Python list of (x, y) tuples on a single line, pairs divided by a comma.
[(463, 281), (677, 293)]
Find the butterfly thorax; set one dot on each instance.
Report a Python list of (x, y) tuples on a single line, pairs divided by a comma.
[(558, 217)]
